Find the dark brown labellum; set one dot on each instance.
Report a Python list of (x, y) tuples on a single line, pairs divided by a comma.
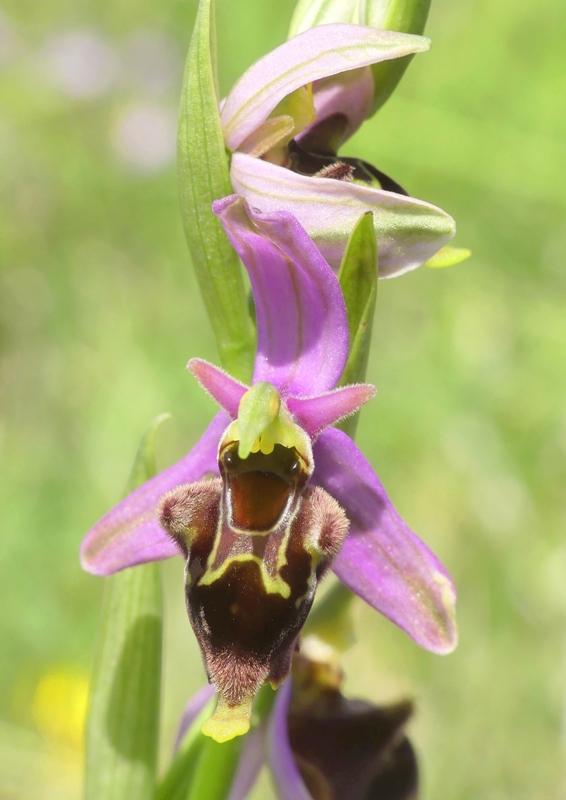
[(256, 544)]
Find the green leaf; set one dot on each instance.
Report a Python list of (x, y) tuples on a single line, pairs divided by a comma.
[(204, 177), (144, 466), (448, 256), (122, 733), (404, 16), (358, 279)]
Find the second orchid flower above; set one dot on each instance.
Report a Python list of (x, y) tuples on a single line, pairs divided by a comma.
[(284, 122)]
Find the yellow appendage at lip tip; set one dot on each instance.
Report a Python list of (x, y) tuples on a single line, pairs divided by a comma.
[(227, 722)]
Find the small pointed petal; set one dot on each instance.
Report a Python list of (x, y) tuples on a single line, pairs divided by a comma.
[(301, 319), (193, 708), (286, 775), (382, 560), (408, 231), (310, 56), (131, 534), (227, 391), (314, 414)]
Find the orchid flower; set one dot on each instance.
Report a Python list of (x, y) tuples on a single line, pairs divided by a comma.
[(284, 121), (258, 539)]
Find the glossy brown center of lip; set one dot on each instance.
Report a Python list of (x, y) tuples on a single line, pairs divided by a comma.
[(258, 500), (260, 485)]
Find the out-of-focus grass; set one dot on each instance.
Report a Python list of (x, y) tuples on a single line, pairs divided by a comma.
[(100, 312)]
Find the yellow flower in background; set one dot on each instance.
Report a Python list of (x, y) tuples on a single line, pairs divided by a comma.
[(59, 705)]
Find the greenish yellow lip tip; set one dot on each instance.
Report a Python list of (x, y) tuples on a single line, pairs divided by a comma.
[(228, 722)]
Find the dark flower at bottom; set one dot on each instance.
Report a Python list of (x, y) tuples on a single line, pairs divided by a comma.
[(323, 746)]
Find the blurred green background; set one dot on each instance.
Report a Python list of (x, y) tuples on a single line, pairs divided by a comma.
[(99, 313)]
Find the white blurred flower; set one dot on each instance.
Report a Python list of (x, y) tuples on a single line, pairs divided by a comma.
[(81, 63), (145, 137)]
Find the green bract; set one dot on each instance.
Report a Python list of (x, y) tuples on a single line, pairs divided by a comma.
[(203, 178), (122, 732)]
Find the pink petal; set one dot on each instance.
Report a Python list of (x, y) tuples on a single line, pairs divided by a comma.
[(290, 785), (227, 391), (301, 318), (382, 560), (310, 56), (314, 414), (408, 231), (130, 533)]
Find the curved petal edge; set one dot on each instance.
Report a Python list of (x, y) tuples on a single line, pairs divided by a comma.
[(130, 533), (382, 560)]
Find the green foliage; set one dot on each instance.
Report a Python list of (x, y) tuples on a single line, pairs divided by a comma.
[(408, 16), (215, 768), (123, 724), (203, 178), (181, 772), (358, 279)]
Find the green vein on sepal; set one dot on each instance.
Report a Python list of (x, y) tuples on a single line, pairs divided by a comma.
[(203, 173), (358, 279), (122, 733)]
